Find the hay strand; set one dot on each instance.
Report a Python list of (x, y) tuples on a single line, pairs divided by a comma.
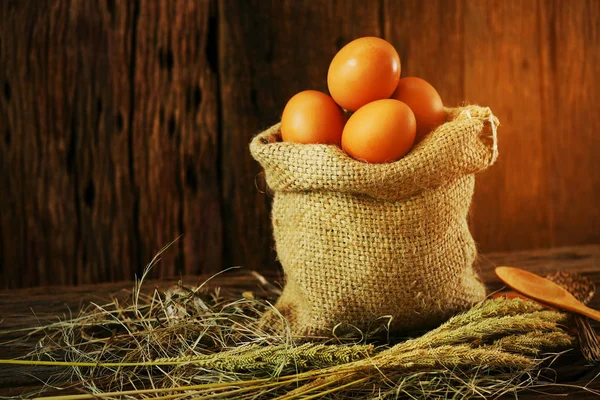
[(191, 342)]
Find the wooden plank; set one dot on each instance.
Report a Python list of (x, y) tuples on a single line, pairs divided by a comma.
[(175, 136), (100, 42), (28, 153), (17, 307), (535, 64), (502, 71), (583, 260), (202, 222), (268, 51), (68, 204), (83, 213), (570, 94), (12, 227), (429, 38)]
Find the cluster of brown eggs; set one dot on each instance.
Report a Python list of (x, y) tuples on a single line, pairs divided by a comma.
[(387, 114)]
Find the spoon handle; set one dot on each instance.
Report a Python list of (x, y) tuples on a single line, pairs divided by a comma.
[(590, 313)]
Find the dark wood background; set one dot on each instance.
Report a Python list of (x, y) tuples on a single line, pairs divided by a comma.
[(125, 124)]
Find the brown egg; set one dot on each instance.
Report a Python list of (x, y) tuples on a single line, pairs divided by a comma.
[(312, 117), (365, 70), (381, 131), (425, 103)]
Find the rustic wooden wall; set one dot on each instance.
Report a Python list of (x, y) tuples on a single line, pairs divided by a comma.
[(125, 123)]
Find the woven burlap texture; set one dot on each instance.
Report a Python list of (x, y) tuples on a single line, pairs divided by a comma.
[(367, 244)]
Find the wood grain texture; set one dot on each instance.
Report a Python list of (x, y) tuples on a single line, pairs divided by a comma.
[(49, 303), (175, 136), (66, 202), (37, 161), (125, 124), (502, 199), (429, 38), (98, 72), (268, 52), (570, 73), (535, 63)]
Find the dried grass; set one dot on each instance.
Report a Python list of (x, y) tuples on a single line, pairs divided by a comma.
[(194, 343)]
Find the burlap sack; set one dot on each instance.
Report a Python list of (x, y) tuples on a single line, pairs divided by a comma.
[(361, 244)]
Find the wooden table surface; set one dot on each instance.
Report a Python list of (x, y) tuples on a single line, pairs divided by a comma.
[(25, 308)]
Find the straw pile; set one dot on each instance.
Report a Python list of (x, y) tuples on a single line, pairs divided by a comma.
[(194, 343)]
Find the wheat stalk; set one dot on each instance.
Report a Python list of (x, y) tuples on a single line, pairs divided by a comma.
[(190, 342)]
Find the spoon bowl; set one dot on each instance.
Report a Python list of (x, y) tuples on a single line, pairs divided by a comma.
[(541, 289)]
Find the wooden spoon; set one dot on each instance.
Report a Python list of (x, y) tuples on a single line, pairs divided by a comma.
[(542, 289)]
